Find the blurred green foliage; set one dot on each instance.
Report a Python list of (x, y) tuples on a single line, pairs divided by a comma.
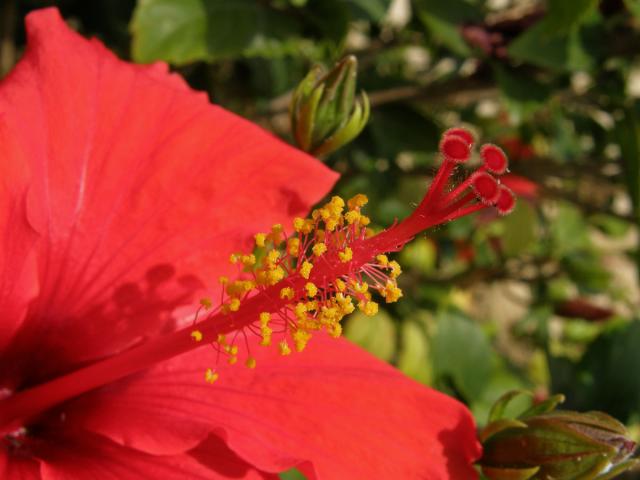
[(546, 298)]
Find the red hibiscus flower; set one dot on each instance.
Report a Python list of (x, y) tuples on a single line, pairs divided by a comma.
[(122, 194)]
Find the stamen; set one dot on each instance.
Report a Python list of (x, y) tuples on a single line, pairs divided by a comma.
[(331, 263), (294, 284)]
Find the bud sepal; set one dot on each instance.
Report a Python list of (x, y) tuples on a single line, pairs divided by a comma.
[(325, 112), (544, 443)]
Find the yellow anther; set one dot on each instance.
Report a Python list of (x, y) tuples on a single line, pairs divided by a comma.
[(319, 248), (337, 201), (301, 338), (265, 333), (383, 260), (223, 280), (284, 348), (260, 239), (345, 303), (335, 330), (298, 224), (325, 213), (352, 216), (274, 276), (211, 376), (328, 315), (332, 224), (234, 305), (248, 260), (391, 292), (234, 257), (265, 318), (196, 335), (293, 246), (340, 285), (239, 288), (359, 201), (360, 287), (311, 305), (221, 339), (206, 303), (346, 255), (300, 310), (276, 234), (396, 270), (287, 293), (231, 349), (364, 220), (311, 289), (232, 360), (368, 308), (251, 362), (303, 226), (305, 269), (272, 258)]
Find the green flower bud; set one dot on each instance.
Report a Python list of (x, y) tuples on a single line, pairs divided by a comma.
[(325, 113), (544, 444)]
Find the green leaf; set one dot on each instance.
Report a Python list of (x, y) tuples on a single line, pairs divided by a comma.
[(628, 134), (329, 18), (399, 128), (183, 31), (605, 379), (372, 10), (442, 18), (375, 334), (569, 231), (586, 270), (170, 30), (420, 255), (522, 93), (563, 15), (462, 355), (414, 358), (519, 229), (542, 46), (633, 6)]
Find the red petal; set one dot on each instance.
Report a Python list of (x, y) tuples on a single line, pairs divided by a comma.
[(83, 455), (18, 275), (18, 467), (333, 410), (139, 186)]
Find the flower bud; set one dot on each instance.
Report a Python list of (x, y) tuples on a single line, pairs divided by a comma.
[(542, 443), (325, 113)]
